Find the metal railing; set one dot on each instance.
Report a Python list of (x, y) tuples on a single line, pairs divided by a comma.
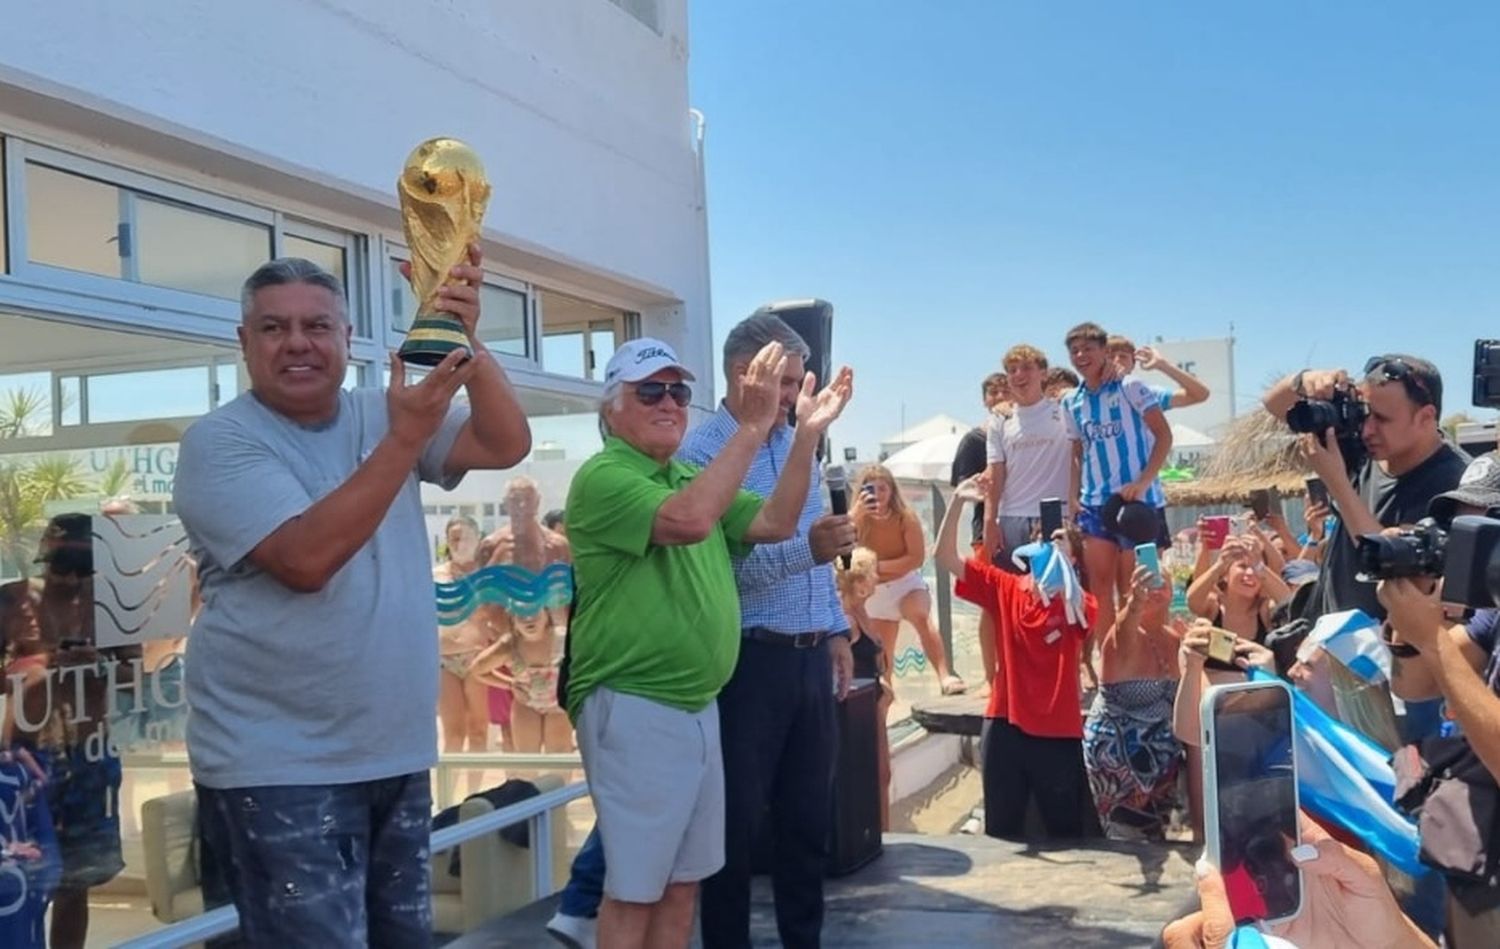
[(536, 811)]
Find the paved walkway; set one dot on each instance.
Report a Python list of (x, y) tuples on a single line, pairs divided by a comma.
[(935, 892)]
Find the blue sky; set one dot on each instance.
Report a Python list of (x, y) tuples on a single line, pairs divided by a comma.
[(961, 175)]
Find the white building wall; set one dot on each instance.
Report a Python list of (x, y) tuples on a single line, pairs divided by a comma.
[(1212, 361), (579, 110)]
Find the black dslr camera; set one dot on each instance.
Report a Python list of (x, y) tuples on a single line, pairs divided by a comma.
[(1466, 557), (1414, 552), (1345, 413)]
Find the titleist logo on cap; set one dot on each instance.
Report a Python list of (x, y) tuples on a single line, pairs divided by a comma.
[(653, 352)]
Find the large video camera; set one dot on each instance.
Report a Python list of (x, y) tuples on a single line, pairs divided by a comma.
[(1487, 373), (1466, 557)]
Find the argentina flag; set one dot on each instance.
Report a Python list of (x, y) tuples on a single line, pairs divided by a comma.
[(1345, 780)]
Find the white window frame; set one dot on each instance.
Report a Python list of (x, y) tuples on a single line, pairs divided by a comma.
[(19, 153), (391, 249)]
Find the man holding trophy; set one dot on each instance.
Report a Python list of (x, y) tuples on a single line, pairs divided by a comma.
[(311, 672)]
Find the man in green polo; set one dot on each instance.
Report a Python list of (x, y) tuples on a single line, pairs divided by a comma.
[(656, 628)]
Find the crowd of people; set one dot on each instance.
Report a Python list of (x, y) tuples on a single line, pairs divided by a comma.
[(717, 616)]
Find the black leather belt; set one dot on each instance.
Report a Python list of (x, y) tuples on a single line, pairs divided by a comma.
[(795, 640)]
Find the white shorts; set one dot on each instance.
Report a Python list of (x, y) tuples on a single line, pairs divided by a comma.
[(885, 602), (656, 775)]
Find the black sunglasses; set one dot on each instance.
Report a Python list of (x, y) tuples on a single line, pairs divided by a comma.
[(1398, 370), (650, 393)]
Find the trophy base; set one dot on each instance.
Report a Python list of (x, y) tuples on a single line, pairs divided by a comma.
[(431, 339)]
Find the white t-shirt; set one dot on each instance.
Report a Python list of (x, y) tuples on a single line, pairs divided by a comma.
[(1036, 447)]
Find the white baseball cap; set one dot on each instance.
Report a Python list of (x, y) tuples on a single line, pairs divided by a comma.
[(642, 358)]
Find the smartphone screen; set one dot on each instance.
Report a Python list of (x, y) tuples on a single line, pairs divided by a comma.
[(1317, 491), (1260, 503), (1146, 555), (1052, 517), (1252, 814)]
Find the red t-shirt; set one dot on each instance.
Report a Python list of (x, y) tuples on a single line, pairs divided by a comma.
[(1037, 688)]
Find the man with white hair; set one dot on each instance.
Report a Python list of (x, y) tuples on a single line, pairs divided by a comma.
[(656, 626)]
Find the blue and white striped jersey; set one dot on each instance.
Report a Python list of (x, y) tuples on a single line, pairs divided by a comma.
[(1116, 442)]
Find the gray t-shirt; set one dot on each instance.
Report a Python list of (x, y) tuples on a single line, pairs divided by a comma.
[(332, 687)]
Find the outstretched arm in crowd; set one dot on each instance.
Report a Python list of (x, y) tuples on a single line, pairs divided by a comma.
[(1203, 592), (1418, 618), (1128, 619), (1346, 902), (970, 490), (1324, 457), (1191, 389)]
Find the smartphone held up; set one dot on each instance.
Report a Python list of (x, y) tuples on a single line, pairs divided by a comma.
[(1250, 798)]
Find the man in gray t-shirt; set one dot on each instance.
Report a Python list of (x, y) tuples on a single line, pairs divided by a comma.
[(312, 667)]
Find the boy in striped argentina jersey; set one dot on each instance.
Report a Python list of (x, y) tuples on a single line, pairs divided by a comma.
[(1123, 442)]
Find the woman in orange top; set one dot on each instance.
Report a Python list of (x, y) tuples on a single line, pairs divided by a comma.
[(884, 523)]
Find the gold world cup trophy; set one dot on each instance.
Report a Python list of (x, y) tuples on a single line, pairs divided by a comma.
[(443, 194)]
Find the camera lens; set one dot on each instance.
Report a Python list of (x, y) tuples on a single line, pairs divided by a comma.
[(1312, 415), (1414, 553)]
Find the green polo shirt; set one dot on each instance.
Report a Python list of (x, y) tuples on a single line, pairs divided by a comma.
[(660, 622)]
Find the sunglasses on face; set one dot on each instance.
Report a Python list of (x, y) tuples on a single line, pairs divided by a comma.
[(1382, 369), (650, 393)]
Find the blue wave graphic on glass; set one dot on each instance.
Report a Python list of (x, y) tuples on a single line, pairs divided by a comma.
[(520, 591)]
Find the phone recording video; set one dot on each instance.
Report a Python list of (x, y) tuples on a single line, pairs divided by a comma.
[(1052, 517), (1317, 492), (1250, 797), (1146, 555)]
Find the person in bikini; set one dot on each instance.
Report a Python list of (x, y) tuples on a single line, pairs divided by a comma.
[(528, 652), (463, 702)]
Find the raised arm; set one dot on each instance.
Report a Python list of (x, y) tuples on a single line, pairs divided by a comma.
[(778, 519), (1451, 656), (689, 515), (305, 552), (968, 491), (1191, 390), (497, 433)]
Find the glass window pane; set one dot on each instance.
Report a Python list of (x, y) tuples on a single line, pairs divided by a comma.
[(351, 376), (562, 353), (25, 405), (196, 251), (403, 302), (502, 320), (72, 222), (4, 213), (327, 256), (149, 393), (227, 380), (72, 400), (603, 341)]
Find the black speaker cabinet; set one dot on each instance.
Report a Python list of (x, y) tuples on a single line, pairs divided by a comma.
[(813, 321), (856, 784)]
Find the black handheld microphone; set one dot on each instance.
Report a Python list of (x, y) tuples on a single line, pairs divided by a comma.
[(838, 497)]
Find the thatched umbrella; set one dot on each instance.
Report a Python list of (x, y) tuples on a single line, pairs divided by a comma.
[(1258, 451)]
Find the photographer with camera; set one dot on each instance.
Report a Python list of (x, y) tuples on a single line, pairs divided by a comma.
[(1460, 663), (1377, 445)]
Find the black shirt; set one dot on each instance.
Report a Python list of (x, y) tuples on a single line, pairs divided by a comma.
[(971, 458), (1393, 501)]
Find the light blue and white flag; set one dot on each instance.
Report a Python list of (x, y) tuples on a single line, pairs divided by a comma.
[(1344, 779), (1352, 638)]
